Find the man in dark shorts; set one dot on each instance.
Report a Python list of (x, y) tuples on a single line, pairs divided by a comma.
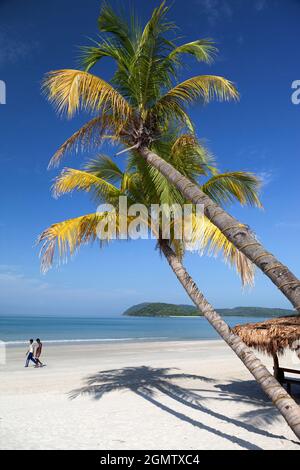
[(38, 352), (29, 354)]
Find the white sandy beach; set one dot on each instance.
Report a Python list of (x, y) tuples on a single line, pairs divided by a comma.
[(210, 401)]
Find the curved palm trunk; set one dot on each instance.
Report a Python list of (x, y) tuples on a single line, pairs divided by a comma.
[(238, 234), (281, 399)]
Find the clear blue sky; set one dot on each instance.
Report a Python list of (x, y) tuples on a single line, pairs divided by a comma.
[(258, 42)]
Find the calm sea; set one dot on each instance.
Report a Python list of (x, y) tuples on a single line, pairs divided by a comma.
[(18, 329)]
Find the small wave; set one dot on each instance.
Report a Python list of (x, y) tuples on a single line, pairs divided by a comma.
[(90, 340)]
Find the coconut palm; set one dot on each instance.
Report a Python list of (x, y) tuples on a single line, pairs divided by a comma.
[(141, 184), (136, 107)]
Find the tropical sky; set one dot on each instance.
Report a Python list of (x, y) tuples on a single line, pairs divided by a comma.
[(258, 41)]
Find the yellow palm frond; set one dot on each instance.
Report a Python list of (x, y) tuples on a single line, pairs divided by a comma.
[(184, 141), (205, 87), (187, 145), (71, 179), (211, 241), (87, 136), (67, 236), (214, 242), (69, 90)]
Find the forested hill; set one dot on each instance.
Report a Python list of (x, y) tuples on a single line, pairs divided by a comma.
[(156, 309)]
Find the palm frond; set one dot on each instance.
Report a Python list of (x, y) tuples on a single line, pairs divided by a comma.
[(166, 111), (233, 186), (147, 71), (213, 242), (67, 236), (166, 193), (157, 25), (88, 136), (70, 90), (90, 55), (191, 158), (204, 87), (202, 49), (110, 22), (104, 167), (70, 180)]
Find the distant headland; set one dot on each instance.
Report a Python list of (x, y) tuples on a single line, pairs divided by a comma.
[(158, 309)]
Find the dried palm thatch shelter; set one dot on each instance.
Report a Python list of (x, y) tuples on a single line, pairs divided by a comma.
[(273, 337)]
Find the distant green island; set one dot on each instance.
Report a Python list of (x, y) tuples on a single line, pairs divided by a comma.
[(157, 309)]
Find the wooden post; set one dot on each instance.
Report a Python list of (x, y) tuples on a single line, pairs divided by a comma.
[(278, 373)]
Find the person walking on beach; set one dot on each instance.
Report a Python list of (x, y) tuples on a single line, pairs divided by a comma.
[(38, 352), (29, 354)]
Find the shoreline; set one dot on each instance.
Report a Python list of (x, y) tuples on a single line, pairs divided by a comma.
[(72, 342)]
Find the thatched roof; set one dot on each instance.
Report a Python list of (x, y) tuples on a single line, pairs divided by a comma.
[(272, 336)]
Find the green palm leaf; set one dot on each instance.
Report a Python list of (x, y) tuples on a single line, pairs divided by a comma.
[(116, 25), (104, 167), (90, 55), (234, 186), (202, 49)]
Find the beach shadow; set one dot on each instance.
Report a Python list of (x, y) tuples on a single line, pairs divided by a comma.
[(250, 392), (148, 382)]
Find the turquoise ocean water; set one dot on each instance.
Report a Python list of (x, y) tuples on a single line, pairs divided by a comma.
[(18, 329)]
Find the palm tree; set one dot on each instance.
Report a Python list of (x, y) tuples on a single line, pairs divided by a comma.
[(136, 107), (142, 184)]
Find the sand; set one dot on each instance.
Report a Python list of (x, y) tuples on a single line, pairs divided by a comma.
[(158, 395)]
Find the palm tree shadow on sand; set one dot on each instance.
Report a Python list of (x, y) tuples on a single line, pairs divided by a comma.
[(250, 392), (148, 383)]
